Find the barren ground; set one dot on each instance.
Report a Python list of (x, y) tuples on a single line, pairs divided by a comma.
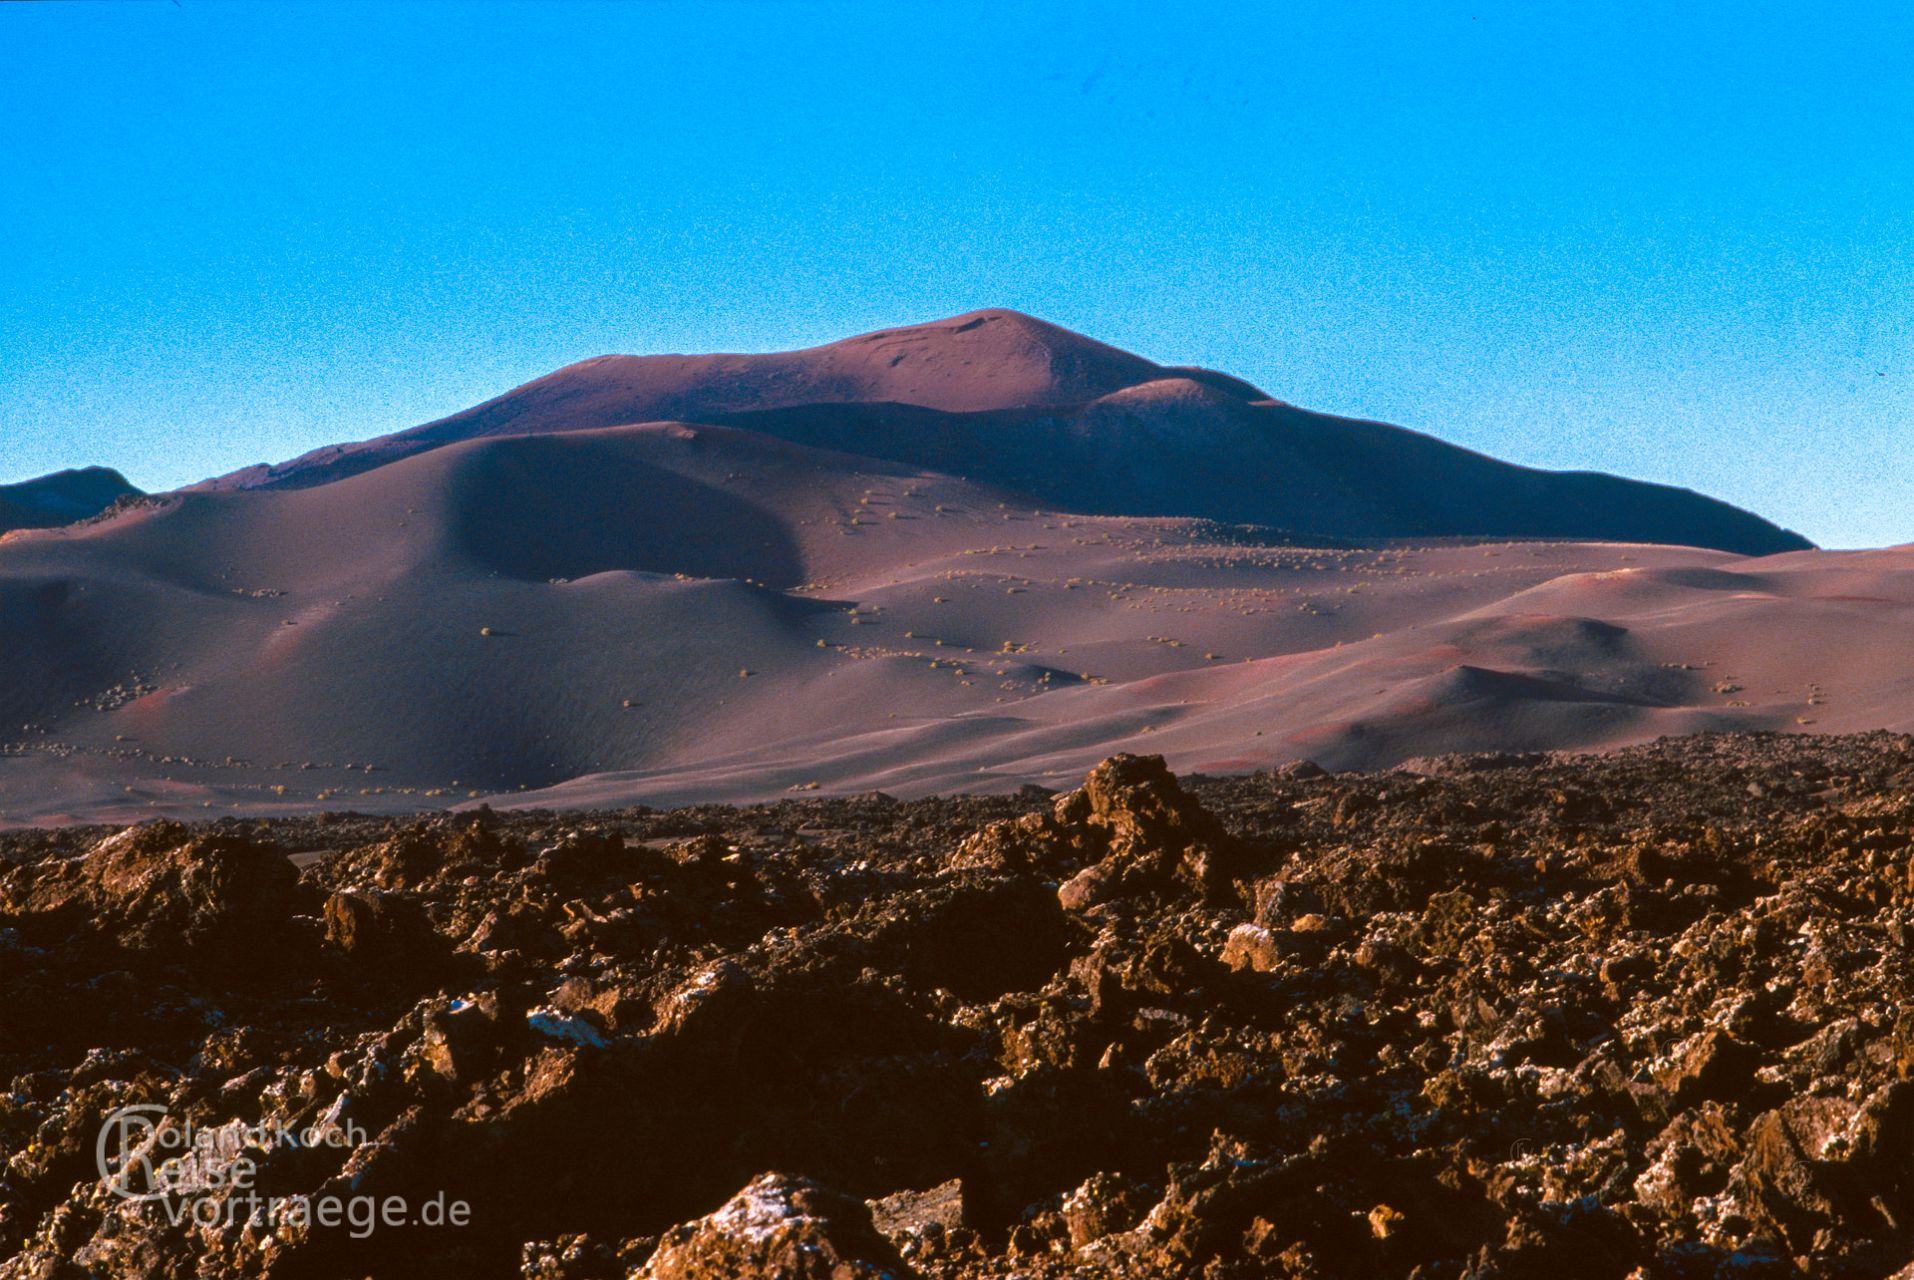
[(1640, 1013)]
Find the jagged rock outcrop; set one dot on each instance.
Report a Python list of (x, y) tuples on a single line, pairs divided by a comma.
[(1129, 831), (160, 889)]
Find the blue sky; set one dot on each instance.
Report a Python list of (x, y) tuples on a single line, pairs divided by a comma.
[(1670, 241)]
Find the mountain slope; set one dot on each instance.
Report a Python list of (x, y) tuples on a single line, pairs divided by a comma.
[(1175, 447), (1006, 400), (670, 613), (61, 498), (982, 360), (961, 556)]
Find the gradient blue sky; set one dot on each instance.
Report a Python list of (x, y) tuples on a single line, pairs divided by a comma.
[(1671, 241)]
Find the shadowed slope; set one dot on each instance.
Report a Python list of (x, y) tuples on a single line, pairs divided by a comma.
[(1176, 447), (540, 508), (441, 621), (61, 498)]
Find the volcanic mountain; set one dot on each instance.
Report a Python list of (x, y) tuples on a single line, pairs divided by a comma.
[(1007, 400), (956, 557), (61, 498)]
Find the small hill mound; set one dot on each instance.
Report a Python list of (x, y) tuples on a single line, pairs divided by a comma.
[(61, 498)]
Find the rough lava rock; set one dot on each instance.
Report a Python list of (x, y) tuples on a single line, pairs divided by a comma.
[(159, 888), (1644, 1014), (1130, 830), (779, 1228)]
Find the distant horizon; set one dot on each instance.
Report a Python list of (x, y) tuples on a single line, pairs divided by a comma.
[(1656, 244)]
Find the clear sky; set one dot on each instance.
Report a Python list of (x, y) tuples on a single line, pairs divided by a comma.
[(1674, 241)]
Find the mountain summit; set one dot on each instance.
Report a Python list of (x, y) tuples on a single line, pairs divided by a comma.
[(983, 360), (1007, 400)]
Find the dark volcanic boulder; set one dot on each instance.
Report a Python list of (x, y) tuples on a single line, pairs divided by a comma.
[(375, 925)]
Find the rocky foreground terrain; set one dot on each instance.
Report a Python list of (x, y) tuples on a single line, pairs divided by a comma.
[(1639, 1014)]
